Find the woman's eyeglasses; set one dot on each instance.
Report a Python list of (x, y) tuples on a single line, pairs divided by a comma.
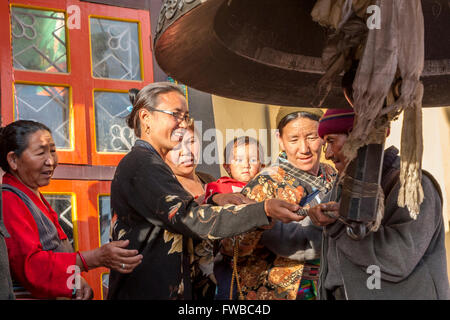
[(177, 115)]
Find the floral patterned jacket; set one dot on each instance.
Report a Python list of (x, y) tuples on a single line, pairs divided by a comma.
[(265, 274), (153, 211)]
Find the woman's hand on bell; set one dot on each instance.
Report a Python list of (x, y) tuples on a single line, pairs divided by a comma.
[(282, 210)]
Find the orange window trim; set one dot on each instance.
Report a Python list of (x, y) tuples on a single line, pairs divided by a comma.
[(79, 78), (117, 85), (86, 218)]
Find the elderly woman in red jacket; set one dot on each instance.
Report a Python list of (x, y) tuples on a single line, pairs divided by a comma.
[(41, 258)]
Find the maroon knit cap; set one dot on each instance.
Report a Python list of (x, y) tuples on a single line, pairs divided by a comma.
[(336, 121)]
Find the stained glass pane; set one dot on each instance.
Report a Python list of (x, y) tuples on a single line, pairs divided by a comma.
[(112, 132), (62, 204), (38, 40), (48, 105), (115, 49), (104, 214)]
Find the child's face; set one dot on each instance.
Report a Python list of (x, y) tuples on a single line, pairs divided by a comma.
[(245, 163)]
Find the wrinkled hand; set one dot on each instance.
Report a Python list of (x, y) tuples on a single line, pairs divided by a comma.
[(85, 292), (318, 217), (282, 210), (231, 198), (113, 255)]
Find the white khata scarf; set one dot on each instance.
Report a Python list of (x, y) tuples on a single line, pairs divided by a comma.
[(392, 52)]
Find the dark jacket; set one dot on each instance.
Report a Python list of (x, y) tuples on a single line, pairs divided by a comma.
[(6, 291), (160, 218), (410, 254)]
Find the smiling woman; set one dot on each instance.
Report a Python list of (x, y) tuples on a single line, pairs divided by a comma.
[(153, 210), (298, 138), (183, 161), (41, 259), (283, 262)]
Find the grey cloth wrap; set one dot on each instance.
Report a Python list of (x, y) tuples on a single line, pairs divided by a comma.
[(48, 235), (6, 287)]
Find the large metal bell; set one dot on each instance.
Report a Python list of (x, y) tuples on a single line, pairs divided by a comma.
[(269, 51)]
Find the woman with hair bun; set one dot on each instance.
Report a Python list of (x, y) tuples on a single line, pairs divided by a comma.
[(157, 215)]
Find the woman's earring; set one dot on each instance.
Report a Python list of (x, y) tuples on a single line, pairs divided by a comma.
[(147, 130)]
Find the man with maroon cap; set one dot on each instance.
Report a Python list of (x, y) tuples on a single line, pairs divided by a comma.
[(404, 258)]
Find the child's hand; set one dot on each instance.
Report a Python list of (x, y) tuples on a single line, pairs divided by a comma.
[(231, 198), (200, 199)]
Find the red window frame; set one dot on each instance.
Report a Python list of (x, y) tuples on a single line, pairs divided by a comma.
[(86, 231), (79, 78), (102, 84)]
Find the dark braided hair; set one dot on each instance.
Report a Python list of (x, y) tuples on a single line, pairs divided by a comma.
[(292, 116), (14, 137)]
